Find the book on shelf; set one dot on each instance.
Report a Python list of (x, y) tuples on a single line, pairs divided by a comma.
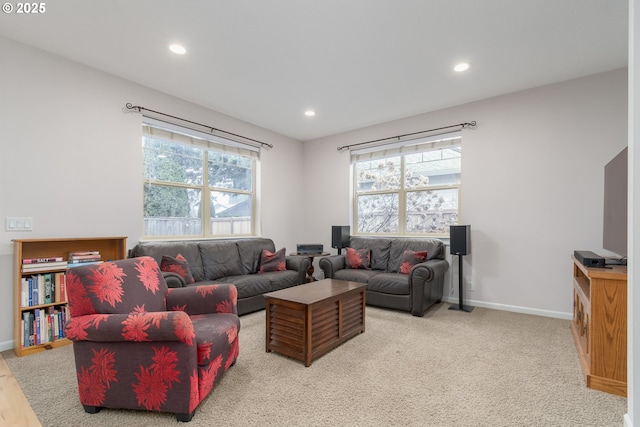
[(41, 260), (83, 253), (59, 287), (47, 288), (82, 257), (78, 264), (43, 266), (80, 261)]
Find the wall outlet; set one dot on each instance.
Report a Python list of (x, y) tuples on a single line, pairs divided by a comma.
[(470, 286)]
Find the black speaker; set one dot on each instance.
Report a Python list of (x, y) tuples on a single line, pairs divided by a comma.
[(460, 239), (340, 236)]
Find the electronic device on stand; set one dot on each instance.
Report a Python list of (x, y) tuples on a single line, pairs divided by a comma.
[(460, 244)]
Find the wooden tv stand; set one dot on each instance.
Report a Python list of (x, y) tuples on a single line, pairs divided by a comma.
[(599, 325)]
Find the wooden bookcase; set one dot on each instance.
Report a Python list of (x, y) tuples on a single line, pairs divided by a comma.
[(599, 325), (111, 248)]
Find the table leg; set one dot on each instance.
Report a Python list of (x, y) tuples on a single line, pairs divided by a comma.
[(310, 277), (268, 326)]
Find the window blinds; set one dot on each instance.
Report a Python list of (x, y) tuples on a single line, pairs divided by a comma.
[(187, 136), (417, 145)]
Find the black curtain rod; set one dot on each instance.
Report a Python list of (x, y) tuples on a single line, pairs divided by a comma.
[(471, 125), (130, 106)]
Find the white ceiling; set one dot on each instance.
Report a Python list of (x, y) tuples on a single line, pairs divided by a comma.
[(356, 62)]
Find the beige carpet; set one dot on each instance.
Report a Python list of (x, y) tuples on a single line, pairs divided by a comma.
[(485, 368)]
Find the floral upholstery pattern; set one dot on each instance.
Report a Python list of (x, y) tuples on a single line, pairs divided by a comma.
[(177, 265), (411, 258), (358, 258), (273, 261), (140, 345)]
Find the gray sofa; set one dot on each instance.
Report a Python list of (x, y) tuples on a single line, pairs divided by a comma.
[(233, 261), (386, 287)]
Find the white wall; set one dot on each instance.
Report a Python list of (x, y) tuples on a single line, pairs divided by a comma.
[(532, 187), (71, 159)]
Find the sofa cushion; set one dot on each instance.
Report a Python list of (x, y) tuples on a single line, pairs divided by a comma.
[(248, 285), (355, 275), (125, 286), (379, 250), (282, 279), (399, 245), (389, 283), (178, 265), (188, 249), (250, 251), (358, 258), (411, 258), (273, 261), (220, 258)]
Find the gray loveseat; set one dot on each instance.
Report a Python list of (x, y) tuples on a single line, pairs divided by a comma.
[(386, 287), (235, 261)]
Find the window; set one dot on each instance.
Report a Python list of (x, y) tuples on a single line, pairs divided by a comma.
[(408, 189), (196, 184)]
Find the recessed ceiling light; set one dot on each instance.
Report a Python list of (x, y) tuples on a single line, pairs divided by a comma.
[(309, 113), (178, 48), (463, 66)]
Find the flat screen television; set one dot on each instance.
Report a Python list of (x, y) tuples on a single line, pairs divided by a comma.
[(614, 236)]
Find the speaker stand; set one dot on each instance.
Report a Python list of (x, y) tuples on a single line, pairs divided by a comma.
[(460, 306)]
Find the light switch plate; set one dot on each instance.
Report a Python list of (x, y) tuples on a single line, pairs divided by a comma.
[(14, 223), (11, 224)]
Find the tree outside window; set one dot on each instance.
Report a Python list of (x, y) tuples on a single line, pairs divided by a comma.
[(415, 193), (180, 191)]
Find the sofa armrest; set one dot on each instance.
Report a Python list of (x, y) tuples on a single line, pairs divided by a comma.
[(132, 327), (429, 270), (300, 264), (426, 281), (174, 280), (204, 299), (331, 264)]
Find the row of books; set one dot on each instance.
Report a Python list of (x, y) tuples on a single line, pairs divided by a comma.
[(44, 288), (75, 259), (40, 326)]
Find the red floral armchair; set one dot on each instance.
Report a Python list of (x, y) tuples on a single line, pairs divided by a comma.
[(140, 345)]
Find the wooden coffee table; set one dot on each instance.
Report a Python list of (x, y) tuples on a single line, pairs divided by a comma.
[(304, 322)]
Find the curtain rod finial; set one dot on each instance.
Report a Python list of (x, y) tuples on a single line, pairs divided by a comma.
[(130, 107)]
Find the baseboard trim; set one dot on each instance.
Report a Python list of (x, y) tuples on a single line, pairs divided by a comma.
[(6, 345), (514, 308)]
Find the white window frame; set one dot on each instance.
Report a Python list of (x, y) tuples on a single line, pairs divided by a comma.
[(402, 149), (206, 142)]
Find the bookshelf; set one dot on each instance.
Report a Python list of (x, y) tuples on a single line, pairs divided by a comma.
[(110, 248)]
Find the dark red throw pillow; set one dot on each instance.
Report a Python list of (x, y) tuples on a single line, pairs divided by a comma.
[(177, 265), (411, 258), (273, 261), (358, 258)]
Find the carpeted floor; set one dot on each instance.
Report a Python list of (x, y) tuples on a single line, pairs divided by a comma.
[(485, 368)]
